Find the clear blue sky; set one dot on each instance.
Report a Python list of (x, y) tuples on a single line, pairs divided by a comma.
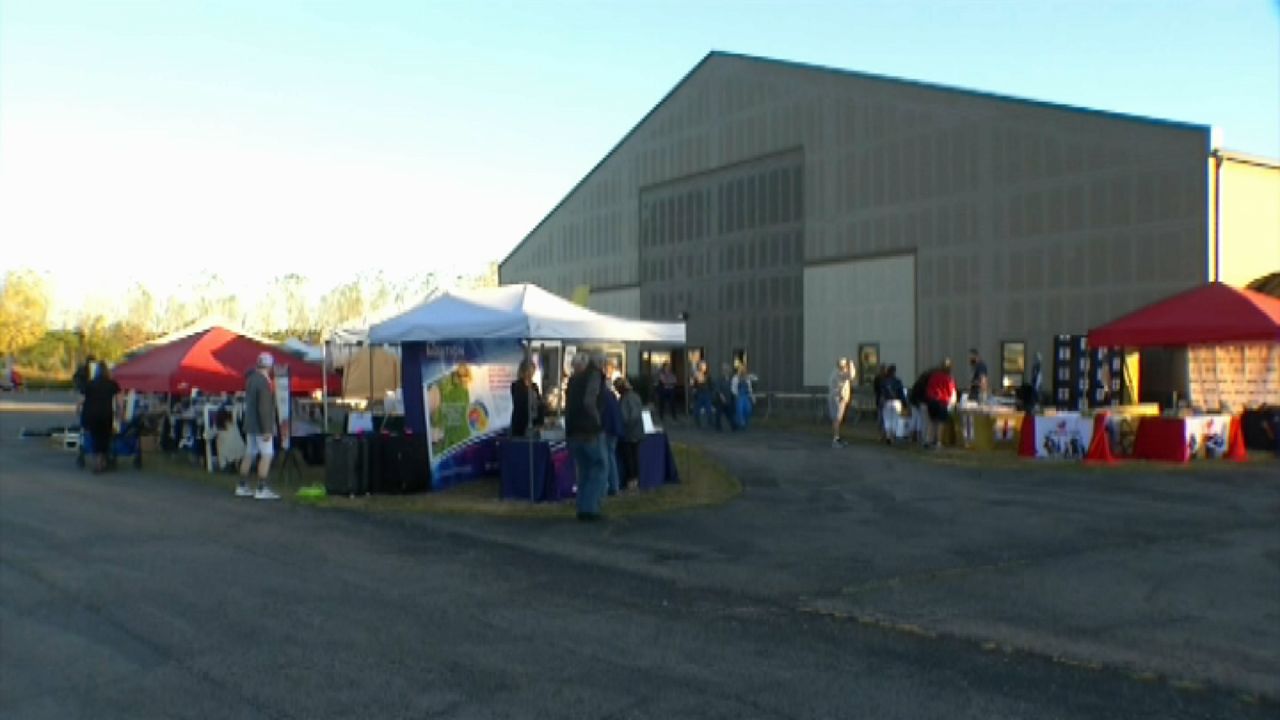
[(242, 137)]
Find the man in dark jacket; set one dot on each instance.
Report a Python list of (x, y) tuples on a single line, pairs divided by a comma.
[(259, 429), (583, 426)]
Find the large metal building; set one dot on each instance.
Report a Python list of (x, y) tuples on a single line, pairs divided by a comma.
[(797, 213)]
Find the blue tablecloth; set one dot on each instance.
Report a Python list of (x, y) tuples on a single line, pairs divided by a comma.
[(553, 470), (657, 465)]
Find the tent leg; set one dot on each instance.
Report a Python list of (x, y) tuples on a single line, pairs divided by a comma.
[(528, 431)]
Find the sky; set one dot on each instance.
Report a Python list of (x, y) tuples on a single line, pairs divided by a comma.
[(163, 141)]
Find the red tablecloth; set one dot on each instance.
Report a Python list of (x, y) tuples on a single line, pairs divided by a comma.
[(1180, 439)]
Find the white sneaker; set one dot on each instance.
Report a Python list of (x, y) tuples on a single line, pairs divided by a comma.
[(837, 443), (242, 490), (265, 493)]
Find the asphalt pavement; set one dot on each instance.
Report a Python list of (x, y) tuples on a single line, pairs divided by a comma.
[(861, 582)]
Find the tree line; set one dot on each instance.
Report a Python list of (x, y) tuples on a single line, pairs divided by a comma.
[(289, 308)]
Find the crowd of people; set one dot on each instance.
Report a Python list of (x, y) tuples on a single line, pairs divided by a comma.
[(729, 399), (919, 412)]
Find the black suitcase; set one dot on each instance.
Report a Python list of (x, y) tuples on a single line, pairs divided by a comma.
[(343, 471), (399, 464)]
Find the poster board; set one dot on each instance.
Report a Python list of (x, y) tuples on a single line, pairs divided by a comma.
[(1064, 436), (284, 408), (466, 387), (1234, 376)]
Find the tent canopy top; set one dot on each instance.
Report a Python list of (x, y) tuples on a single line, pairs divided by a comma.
[(1209, 314), (517, 312)]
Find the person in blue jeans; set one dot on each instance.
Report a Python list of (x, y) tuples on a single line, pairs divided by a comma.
[(613, 429), (725, 403), (703, 412), (744, 396), (583, 428)]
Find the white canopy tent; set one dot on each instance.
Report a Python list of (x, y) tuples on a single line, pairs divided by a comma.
[(516, 312), (523, 312)]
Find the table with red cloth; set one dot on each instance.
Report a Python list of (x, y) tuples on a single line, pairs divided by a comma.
[(1179, 439)]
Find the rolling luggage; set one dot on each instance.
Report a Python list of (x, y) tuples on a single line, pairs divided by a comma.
[(344, 472), (399, 464)]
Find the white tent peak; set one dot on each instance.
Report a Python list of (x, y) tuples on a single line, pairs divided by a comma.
[(516, 312)]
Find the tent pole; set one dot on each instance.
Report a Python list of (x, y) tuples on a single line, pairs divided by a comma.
[(528, 423), (324, 383)]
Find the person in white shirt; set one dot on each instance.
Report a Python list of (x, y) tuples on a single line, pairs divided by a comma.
[(840, 393)]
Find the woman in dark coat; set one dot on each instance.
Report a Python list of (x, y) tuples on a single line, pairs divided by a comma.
[(525, 400), (99, 414)]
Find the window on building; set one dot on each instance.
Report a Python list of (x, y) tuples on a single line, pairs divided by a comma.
[(1013, 364), (785, 196), (868, 362)]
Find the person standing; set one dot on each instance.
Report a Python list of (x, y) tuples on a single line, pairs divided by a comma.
[(632, 433), (259, 429), (666, 392), (583, 425), (744, 395), (701, 384), (979, 384), (724, 398), (919, 409), (612, 427), (892, 396), (840, 391), (526, 402), (940, 396), (101, 408)]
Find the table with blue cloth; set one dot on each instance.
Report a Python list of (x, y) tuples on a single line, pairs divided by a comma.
[(553, 477), (657, 464)]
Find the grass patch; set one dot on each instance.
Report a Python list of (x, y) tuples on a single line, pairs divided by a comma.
[(703, 482)]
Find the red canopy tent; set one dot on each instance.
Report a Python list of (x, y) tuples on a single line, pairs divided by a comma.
[(1207, 315), (214, 361)]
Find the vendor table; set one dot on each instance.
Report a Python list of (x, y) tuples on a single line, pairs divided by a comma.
[(553, 470), (657, 464), (1179, 439), (990, 425), (553, 474), (1064, 435)]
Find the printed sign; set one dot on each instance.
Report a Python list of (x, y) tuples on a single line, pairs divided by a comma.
[(1207, 436), (466, 388), (1065, 436), (283, 406)]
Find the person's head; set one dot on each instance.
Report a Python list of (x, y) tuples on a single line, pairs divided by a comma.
[(266, 361), (462, 372), (973, 356), (666, 366), (608, 367), (702, 366), (580, 362), (621, 386), (891, 371), (526, 371), (946, 365), (842, 364), (102, 372)]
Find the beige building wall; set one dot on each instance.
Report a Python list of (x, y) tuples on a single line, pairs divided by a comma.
[(1026, 219), (1249, 217)]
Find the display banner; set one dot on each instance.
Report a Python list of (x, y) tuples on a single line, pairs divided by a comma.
[(1207, 436), (1064, 436), (466, 388), (283, 406)]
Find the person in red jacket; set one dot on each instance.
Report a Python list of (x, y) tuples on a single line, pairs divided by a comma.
[(940, 396)]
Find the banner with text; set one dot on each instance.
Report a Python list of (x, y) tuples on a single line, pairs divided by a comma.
[(466, 387)]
